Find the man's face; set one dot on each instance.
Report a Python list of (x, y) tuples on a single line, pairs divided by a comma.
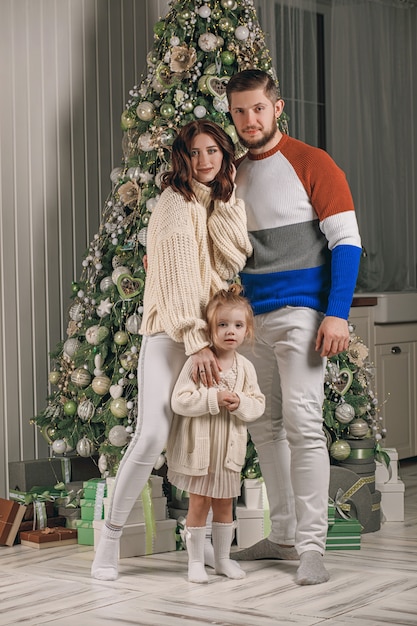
[(255, 119)]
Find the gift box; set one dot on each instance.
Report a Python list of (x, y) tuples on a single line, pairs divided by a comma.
[(374, 522), (138, 512), (252, 525), (70, 514), (91, 509), (331, 512), (48, 537), (344, 534), (136, 541), (384, 474), (93, 488), (85, 532), (23, 475), (253, 494), (51, 522), (366, 470), (350, 494), (361, 451), (11, 516), (392, 501)]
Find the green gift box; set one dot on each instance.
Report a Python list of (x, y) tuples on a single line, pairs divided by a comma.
[(85, 530), (91, 509), (331, 513), (94, 487), (344, 534)]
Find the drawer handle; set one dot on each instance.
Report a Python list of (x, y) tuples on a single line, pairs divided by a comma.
[(395, 350)]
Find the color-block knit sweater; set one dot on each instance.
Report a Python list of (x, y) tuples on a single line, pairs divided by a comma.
[(193, 248), (303, 228)]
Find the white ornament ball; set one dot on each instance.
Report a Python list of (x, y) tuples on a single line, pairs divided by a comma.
[(242, 33), (344, 413), (71, 346), (359, 428), (220, 104), (142, 234), (204, 11), (76, 312), (115, 174), (106, 283), (85, 447), (59, 446), (133, 323), (200, 111), (145, 111), (120, 269), (86, 410), (102, 463), (118, 436)]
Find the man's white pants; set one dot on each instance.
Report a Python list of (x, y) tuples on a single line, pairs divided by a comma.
[(289, 437)]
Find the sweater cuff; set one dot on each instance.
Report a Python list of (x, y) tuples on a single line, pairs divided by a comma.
[(194, 340), (213, 404)]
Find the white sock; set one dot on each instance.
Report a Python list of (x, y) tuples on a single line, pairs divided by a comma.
[(105, 564), (222, 539), (195, 541)]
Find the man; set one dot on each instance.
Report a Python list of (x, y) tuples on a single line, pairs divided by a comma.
[(300, 281)]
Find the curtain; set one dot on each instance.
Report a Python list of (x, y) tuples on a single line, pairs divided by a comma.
[(373, 131)]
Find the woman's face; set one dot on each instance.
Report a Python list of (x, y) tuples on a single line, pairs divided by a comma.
[(206, 158)]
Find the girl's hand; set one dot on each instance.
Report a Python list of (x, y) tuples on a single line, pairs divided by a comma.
[(205, 367), (228, 399)]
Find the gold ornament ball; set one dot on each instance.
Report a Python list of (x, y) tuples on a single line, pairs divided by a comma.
[(202, 85), (121, 338), (167, 110), (226, 24), (228, 4), (216, 14), (101, 385), (54, 377), (127, 120), (81, 377), (188, 106), (118, 408), (340, 450), (129, 360), (358, 428)]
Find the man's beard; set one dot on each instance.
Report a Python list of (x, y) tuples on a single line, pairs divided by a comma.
[(260, 143)]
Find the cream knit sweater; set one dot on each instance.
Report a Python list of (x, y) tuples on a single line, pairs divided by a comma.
[(192, 251)]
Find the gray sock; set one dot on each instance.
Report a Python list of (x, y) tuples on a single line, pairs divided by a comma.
[(311, 570), (265, 549)]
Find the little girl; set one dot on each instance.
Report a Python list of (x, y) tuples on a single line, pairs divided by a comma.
[(207, 442)]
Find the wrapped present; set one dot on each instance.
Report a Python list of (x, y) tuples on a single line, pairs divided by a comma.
[(374, 522), (361, 451), (85, 532), (41, 500), (136, 540), (138, 512), (93, 488), (366, 470), (344, 535), (91, 509), (70, 514), (11, 516), (331, 512), (386, 469), (253, 494), (392, 501), (48, 537), (350, 494), (74, 491), (23, 475), (51, 522), (252, 525)]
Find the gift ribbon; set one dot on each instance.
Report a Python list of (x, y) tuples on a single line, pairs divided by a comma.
[(361, 453), (149, 515), (383, 457), (38, 500), (341, 501), (98, 502)]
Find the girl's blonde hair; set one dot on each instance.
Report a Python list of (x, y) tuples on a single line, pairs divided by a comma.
[(232, 298)]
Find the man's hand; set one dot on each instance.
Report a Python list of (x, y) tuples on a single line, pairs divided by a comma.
[(332, 336)]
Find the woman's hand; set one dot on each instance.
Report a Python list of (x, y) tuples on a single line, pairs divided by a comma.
[(205, 367)]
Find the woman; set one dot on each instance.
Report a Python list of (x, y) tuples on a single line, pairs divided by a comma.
[(197, 241)]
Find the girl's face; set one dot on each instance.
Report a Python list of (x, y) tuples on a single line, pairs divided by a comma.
[(206, 158), (230, 329)]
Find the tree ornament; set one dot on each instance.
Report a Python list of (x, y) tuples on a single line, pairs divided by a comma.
[(118, 271), (204, 11), (226, 24), (118, 436), (101, 385), (358, 428), (344, 413), (200, 111), (86, 410), (48, 433), (118, 407), (102, 463), (96, 334), (54, 377), (129, 360), (133, 324), (116, 391), (127, 120), (340, 450), (145, 111), (167, 110), (227, 57), (230, 5), (207, 42), (251, 472), (59, 446), (70, 407), (85, 447), (76, 312), (81, 377), (106, 284), (121, 338), (71, 346), (242, 33), (231, 131)]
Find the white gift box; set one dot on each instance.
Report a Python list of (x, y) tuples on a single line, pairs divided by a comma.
[(156, 483), (392, 501), (252, 525), (137, 514), (253, 494), (133, 539), (389, 474)]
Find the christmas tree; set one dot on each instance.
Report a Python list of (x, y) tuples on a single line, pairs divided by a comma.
[(197, 47)]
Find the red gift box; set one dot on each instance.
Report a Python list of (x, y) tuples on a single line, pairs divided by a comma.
[(11, 515), (48, 537)]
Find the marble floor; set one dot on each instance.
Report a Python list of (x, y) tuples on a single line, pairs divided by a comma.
[(375, 585)]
